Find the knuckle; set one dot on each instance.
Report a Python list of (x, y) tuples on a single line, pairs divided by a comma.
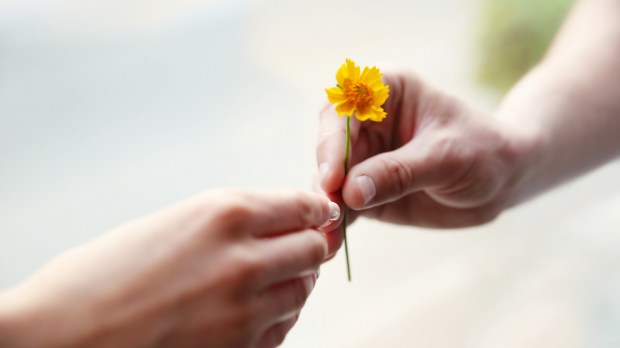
[(299, 294), (244, 269), (274, 336), (279, 334), (399, 174), (249, 269), (233, 212), (236, 208), (305, 209)]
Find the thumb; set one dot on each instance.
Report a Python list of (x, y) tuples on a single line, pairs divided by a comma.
[(390, 176)]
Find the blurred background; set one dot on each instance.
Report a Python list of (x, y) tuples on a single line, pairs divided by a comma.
[(110, 110)]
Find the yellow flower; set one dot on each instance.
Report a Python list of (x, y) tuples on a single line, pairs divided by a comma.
[(360, 94)]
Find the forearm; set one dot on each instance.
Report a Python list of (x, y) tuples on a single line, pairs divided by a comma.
[(569, 106), (30, 316), (13, 331)]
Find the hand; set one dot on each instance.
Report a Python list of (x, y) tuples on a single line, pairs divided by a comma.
[(224, 269), (433, 162)]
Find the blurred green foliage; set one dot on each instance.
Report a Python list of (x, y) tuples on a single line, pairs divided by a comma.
[(514, 35)]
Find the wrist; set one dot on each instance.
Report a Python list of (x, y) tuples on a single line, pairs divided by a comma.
[(527, 148), (26, 321)]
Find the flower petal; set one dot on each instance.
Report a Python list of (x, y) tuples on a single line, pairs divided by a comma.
[(335, 95), (377, 114), (364, 73), (372, 75), (363, 113), (342, 74), (377, 84), (345, 108), (353, 70), (381, 95)]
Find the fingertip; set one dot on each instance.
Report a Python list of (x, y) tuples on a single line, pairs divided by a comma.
[(327, 207), (331, 177), (334, 211), (333, 217), (353, 194)]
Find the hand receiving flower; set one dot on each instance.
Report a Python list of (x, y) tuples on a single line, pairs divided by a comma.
[(225, 269)]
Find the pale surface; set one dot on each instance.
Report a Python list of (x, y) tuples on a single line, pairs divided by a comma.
[(114, 110)]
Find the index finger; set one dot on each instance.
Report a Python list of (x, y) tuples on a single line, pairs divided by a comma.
[(331, 148), (281, 212)]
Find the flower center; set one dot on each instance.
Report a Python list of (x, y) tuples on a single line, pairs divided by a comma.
[(360, 94)]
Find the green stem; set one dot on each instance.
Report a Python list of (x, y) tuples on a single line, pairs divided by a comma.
[(344, 215)]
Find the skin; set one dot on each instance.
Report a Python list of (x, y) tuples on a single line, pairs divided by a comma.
[(439, 162), (223, 269)]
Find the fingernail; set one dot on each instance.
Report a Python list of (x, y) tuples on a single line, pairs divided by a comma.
[(367, 188), (318, 273), (323, 169), (308, 284), (334, 211), (334, 214)]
